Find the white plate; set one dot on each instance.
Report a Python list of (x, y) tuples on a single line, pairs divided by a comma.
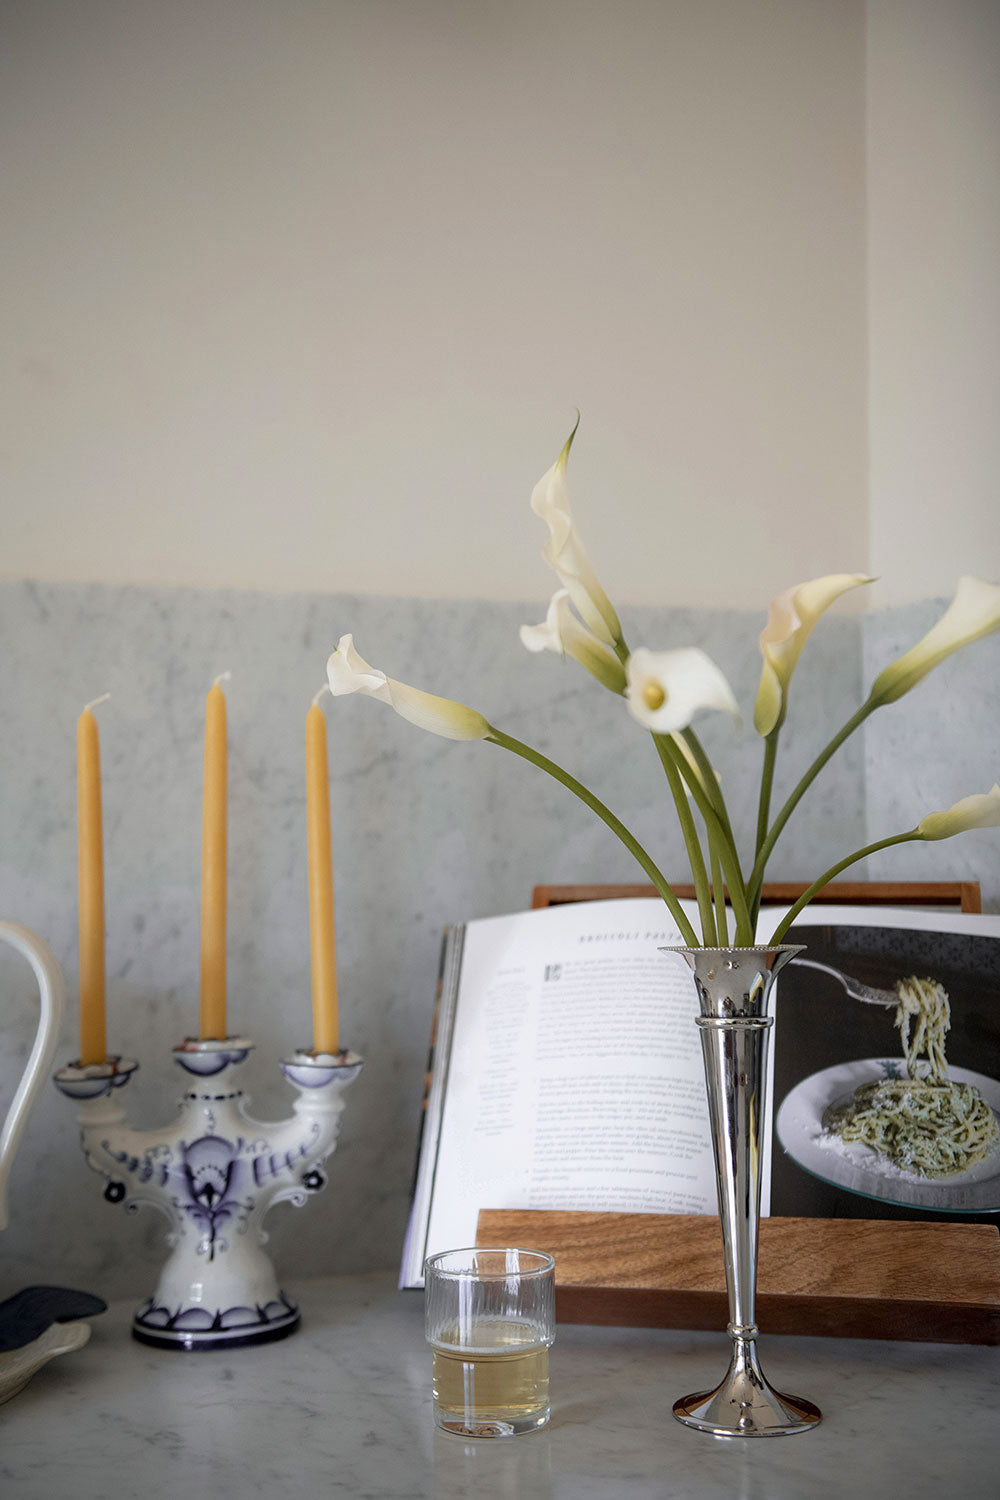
[(859, 1169), (18, 1365)]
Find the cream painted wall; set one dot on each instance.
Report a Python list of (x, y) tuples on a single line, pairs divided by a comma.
[(303, 296), (934, 268)]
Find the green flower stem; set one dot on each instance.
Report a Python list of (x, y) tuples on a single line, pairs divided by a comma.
[(696, 860), (832, 873), (717, 840), (497, 737), (766, 783), (710, 780), (719, 892), (764, 809), (764, 852)]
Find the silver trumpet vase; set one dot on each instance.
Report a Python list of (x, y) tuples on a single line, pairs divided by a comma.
[(734, 988)]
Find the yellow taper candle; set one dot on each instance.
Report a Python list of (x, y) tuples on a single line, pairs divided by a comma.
[(90, 845), (213, 870), (322, 941)]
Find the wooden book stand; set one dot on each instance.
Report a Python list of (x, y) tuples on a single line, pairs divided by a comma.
[(865, 1278)]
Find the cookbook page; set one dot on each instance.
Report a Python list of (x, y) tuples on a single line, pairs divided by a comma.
[(574, 1072)]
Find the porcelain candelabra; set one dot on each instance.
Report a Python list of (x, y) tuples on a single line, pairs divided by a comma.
[(215, 1172)]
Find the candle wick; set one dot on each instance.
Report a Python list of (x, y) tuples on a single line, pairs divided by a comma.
[(324, 689), (95, 701), (223, 677)]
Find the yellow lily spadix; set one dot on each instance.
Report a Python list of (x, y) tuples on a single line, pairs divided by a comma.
[(667, 688)]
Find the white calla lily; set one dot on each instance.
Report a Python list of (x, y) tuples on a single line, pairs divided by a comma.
[(973, 613), (563, 633), (982, 810), (565, 554), (665, 689), (790, 620), (347, 672)]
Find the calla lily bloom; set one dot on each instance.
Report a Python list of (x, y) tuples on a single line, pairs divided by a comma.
[(562, 632), (667, 688), (347, 672), (790, 620), (973, 613), (982, 810), (564, 551)]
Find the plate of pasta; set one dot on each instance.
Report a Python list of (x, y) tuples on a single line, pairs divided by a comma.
[(874, 1088)]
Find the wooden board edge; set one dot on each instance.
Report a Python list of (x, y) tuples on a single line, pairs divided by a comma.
[(802, 1316), (964, 895)]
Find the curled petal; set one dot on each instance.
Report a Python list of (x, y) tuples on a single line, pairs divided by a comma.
[(667, 688), (546, 636), (347, 672), (982, 810), (564, 552), (973, 613), (790, 620), (563, 633)]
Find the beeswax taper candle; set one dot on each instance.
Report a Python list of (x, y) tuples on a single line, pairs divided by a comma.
[(90, 853), (322, 941), (213, 869)]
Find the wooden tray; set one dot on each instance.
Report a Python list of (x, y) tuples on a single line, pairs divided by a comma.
[(857, 1278)]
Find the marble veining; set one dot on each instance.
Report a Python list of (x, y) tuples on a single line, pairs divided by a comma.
[(425, 832), (343, 1409)]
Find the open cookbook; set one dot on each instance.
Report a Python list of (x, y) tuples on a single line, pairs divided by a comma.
[(566, 1070)]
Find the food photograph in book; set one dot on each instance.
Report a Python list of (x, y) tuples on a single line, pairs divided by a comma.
[(887, 1074)]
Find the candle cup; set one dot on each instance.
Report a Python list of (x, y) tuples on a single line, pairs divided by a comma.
[(79, 1080), (214, 1172)]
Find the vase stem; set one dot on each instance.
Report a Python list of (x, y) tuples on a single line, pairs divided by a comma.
[(734, 1056)]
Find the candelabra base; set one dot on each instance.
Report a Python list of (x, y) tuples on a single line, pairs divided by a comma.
[(226, 1328)]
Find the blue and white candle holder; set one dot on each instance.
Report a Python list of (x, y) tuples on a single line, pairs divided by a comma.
[(215, 1172)]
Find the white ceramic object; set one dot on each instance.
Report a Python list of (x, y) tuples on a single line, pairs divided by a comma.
[(51, 993), (18, 1365), (214, 1172)]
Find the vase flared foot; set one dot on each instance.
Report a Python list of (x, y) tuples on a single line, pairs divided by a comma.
[(745, 1405)]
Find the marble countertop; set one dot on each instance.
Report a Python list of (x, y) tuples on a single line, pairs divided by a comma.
[(343, 1409)]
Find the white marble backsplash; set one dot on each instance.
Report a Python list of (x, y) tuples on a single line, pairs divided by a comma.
[(937, 744), (425, 832)]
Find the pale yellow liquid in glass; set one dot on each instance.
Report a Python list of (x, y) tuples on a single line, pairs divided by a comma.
[(495, 1386)]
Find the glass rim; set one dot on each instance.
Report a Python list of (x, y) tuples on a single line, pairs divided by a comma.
[(431, 1266)]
